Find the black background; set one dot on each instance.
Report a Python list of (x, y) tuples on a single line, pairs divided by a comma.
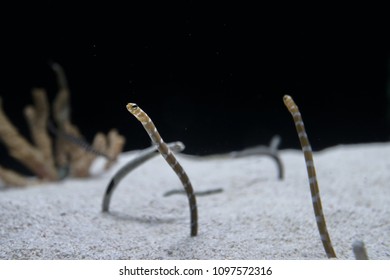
[(211, 75)]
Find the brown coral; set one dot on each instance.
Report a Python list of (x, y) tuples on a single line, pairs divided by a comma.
[(19, 148), (40, 157)]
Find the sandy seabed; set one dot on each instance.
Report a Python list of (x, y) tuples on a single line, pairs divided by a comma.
[(257, 216)]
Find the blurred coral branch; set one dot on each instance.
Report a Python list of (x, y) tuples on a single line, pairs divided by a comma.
[(20, 149), (71, 152)]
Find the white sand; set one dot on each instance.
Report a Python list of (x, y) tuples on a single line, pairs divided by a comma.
[(257, 216)]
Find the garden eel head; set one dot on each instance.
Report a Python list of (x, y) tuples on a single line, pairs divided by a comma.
[(137, 112), (289, 102)]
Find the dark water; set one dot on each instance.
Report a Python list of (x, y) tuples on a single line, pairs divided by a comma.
[(212, 78)]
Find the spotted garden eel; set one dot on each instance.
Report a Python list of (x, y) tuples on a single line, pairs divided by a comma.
[(311, 172), (359, 250), (141, 158), (170, 159)]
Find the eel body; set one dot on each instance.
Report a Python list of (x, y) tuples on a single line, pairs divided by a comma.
[(170, 158), (311, 172)]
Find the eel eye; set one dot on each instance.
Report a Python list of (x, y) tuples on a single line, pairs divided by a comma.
[(134, 106)]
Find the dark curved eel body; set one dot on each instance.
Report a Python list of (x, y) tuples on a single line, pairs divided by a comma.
[(142, 157)]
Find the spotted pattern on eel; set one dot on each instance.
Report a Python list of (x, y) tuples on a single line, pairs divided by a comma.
[(315, 193), (170, 158)]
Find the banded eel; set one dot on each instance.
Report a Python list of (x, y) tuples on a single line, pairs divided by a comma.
[(359, 250), (315, 193), (170, 159), (142, 157)]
